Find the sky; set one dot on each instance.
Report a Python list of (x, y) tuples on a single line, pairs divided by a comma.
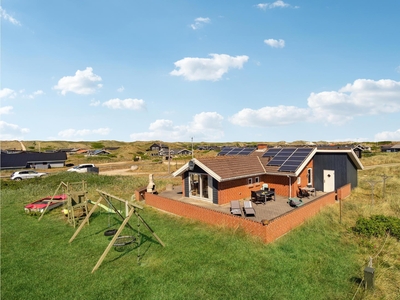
[(200, 70)]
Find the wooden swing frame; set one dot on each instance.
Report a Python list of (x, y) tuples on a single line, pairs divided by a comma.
[(131, 209)]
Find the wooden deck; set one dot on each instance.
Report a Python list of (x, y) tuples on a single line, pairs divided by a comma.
[(268, 211)]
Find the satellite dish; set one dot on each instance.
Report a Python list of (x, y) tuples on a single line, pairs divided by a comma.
[(191, 165)]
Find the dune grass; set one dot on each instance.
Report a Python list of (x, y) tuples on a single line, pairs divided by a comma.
[(322, 259)]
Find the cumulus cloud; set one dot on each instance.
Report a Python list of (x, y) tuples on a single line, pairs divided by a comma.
[(83, 83), (121, 89), (275, 43), (10, 131), (4, 15), (5, 110), (388, 136), (362, 97), (78, 133), (205, 126), (133, 104), (7, 93), (199, 22), (194, 68), (398, 69), (276, 4), (270, 116)]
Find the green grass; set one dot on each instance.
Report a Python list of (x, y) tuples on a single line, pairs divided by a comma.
[(321, 259)]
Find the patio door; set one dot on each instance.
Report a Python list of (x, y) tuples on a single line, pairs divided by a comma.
[(199, 186), (329, 181)]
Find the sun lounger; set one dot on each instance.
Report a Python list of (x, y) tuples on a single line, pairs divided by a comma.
[(235, 208), (248, 208)]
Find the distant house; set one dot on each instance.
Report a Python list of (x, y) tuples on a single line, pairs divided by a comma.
[(97, 152), (37, 160), (174, 152), (157, 147), (390, 148), (224, 178)]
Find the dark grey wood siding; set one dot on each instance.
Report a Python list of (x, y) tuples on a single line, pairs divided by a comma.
[(199, 170), (345, 170)]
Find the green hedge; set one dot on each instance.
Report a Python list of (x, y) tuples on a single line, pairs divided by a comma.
[(378, 225)]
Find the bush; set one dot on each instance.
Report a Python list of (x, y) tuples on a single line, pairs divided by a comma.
[(378, 225)]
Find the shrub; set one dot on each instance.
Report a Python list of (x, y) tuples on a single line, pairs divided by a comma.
[(378, 225)]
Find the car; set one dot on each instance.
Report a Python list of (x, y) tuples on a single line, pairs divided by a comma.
[(19, 175), (83, 168)]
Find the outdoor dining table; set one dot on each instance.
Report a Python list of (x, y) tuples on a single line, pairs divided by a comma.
[(265, 195)]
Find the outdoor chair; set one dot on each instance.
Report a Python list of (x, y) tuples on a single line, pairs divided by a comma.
[(235, 208), (248, 208), (302, 193)]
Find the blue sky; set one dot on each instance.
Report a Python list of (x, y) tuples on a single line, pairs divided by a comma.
[(214, 71)]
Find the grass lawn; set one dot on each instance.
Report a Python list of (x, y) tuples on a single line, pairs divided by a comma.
[(321, 259)]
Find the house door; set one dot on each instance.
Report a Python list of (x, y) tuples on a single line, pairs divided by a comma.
[(329, 181), (199, 186)]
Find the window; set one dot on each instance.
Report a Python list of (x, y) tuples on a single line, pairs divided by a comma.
[(249, 180), (298, 180), (257, 179), (309, 176)]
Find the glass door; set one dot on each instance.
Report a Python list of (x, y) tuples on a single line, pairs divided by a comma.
[(199, 186)]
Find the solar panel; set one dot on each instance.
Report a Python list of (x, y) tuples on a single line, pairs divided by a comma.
[(281, 157), (234, 151), (271, 152), (224, 151), (246, 151), (295, 160)]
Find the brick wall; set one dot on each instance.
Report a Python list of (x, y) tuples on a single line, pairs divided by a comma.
[(344, 191), (268, 233)]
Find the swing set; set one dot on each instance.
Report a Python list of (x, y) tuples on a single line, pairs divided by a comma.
[(118, 240)]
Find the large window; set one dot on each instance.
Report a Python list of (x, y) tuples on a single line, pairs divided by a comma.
[(199, 185)]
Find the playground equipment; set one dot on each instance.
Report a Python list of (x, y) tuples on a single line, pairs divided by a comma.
[(117, 240), (77, 202), (55, 202)]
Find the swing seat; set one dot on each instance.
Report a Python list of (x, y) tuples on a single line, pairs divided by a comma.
[(110, 232)]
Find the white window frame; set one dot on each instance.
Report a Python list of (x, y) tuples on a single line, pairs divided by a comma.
[(249, 180), (299, 180), (309, 176), (257, 179)]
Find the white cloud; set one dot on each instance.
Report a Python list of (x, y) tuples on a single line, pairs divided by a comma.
[(10, 131), (83, 83), (93, 102), (134, 104), (121, 89), (278, 3), (5, 110), (205, 126), (7, 93), (34, 94), (398, 69), (199, 22), (388, 136), (78, 133), (275, 43), (270, 116), (4, 15), (363, 97), (194, 68)]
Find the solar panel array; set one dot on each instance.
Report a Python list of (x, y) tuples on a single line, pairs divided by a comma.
[(287, 159), (228, 151)]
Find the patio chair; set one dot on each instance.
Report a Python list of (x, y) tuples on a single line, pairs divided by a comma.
[(235, 208), (248, 208)]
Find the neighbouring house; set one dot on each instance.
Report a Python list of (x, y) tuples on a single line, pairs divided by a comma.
[(97, 152), (37, 160), (232, 177), (390, 148), (158, 147)]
